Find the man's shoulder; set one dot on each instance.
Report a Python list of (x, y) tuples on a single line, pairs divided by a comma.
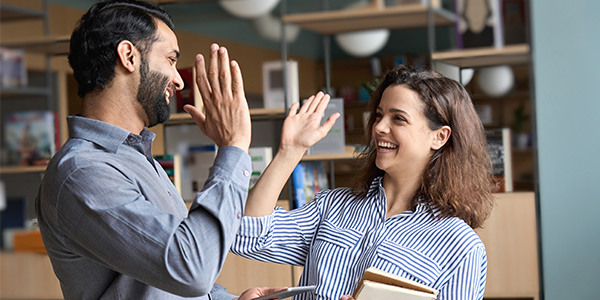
[(76, 154)]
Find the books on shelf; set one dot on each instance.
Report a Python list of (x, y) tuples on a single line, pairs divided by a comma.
[(335, 140), (308, 178), (500, 152), (13, 71), (261, 157), (381, 285), (172, 166), (200, 159), (30, 137), (273, 87), (190, 94)]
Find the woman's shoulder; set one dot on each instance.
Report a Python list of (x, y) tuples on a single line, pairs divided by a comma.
[(336, 195), (457, 231), (452, 229)]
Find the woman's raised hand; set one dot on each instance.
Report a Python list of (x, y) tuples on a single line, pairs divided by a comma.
[(302, 128)]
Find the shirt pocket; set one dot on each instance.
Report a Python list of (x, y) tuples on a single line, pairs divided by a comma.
[(413, 262), (341, 237)]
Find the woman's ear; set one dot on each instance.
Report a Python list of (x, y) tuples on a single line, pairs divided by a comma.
[(440, 137), (127, 55)]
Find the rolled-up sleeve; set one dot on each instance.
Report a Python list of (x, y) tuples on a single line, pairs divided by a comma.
[(281, 237)]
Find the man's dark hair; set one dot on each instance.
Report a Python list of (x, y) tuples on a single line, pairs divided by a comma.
[(93, 50)]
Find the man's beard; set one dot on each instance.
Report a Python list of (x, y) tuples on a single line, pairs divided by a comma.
[(151, 95)]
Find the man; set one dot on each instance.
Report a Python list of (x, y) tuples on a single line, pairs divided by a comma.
[(113, 224)]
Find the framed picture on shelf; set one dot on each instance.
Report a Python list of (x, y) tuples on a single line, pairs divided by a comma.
[(30, 137)]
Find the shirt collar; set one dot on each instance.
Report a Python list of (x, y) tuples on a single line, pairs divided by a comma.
[(423, 205), (105, 135)]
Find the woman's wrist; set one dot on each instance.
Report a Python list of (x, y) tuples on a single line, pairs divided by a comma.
[(291, 153)]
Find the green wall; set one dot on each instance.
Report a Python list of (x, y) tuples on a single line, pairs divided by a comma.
[(566, 51)]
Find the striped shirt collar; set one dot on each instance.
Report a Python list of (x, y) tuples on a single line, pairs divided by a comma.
[(377, 192)]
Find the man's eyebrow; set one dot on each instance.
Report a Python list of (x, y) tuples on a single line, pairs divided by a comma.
[(176, 53)]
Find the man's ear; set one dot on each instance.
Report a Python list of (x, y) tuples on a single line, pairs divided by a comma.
[(440, 137), (127, 55)]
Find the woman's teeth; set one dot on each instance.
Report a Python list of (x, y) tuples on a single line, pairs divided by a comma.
[(386, 145)]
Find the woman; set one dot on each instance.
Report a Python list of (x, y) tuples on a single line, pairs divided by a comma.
[(426, 183)]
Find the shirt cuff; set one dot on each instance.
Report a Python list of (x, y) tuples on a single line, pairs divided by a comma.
[(257, 226), (220, 293), (234, 163)]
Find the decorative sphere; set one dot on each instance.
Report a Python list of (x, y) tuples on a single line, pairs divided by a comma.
[(496, 81), (363, 43), (248, 9), (466, 75)]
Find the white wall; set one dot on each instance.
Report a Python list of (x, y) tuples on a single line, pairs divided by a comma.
[(566, 49)]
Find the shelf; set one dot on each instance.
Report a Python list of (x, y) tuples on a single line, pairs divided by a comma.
[(53, 45), (14, 92), (21, 169), (255, 114), (392, 17), (16, 13), (346, 155), (481, 57), (176, 1)]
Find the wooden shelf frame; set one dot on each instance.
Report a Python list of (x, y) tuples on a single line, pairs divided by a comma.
[(26, 91), (255, 114), (21, 169), (482, 57), (51, 45), (10, 12), (348, 154), (400, 16)]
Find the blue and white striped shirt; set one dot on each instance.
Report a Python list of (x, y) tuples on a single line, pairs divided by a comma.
[(337, 237)]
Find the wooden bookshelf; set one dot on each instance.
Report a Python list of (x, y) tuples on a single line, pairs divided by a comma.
[(52, 45), (510, 237), (489, 56), (393, 17), (347, 154), (21, 169), (255, 114), (28, 275), (17, 13)]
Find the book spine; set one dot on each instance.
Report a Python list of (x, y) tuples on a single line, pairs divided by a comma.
[(298, 185)]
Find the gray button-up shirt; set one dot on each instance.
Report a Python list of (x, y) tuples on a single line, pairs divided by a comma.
[(115, 227)]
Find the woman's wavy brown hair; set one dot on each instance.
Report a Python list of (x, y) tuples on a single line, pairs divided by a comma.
[(458, 179)]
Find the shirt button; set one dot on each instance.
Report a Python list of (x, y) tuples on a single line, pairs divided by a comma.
[(370, 245), (239, 215), (246, 173)]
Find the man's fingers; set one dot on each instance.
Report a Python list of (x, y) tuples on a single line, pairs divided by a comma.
[(202, 80), (238, 82), (224, 72), (213, 70), (197, 115)]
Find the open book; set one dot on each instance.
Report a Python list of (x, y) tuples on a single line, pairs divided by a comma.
[(380, 285)]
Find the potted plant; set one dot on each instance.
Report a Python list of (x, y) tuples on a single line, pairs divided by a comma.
[(520, 118)]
